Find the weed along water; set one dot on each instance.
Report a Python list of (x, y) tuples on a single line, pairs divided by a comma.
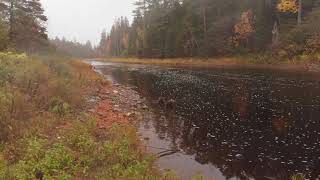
[(227, 123)]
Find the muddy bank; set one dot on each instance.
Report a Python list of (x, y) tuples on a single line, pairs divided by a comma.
[(121, 104), (116, 104)]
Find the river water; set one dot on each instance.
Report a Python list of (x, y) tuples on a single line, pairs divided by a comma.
[(228, 123)]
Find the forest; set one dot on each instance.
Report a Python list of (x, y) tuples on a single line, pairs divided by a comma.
[(278, 29)]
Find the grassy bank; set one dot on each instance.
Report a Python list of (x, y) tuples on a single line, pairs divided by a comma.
[(45, 132), (265, 61)]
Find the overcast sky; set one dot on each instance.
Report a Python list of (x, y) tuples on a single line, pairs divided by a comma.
[(84, 19)]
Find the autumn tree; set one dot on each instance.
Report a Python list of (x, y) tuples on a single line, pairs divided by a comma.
[(293, 6), (244, 29), (288, 6), (311, 28), (313, 43)]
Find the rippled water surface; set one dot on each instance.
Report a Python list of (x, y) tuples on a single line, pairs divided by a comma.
[(229, 123)]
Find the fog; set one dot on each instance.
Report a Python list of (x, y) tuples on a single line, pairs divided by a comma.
[(84, 19)]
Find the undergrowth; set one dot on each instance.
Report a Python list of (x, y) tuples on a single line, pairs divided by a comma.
[(45, 134)]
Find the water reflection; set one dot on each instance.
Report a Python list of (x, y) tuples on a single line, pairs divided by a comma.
[(246, 123)]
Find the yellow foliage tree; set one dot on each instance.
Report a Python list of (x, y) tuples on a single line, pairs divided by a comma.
[(288, 6), (294, 6), (244, 29)]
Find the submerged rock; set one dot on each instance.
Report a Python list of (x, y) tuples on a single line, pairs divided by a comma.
[(171, 104)]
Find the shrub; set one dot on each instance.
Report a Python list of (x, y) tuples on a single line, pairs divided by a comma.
[(313, 43), (51, 162), (58, 106), (29, 86)]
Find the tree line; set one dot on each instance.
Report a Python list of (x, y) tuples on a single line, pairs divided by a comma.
[(207, 28), (23, 29), (74, 48)]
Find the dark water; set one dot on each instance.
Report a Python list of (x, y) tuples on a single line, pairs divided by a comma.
[(230, 123)]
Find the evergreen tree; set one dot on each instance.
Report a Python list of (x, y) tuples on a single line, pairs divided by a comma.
[(26, 24)]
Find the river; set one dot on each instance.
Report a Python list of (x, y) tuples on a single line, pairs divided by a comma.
[(228, 123)]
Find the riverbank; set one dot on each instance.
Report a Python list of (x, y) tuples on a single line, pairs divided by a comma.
[(229, 62), (58, 121)]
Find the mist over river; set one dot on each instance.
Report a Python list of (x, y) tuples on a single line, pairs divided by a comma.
[(228, 123)]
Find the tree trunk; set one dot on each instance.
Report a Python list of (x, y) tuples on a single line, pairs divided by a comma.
[(144, 28), (205, 30), (300, 12), (275, 34), (11, 21)]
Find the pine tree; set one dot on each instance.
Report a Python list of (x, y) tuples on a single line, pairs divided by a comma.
[(26, 21), (102, 44)]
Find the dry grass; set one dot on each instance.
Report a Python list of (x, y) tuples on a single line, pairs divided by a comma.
[(46, 132), (248, 61), (181, 61)]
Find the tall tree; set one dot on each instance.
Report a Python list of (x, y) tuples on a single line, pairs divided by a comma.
[(204, 4), (244, 29), (294, 6), (102, 44), (26, 21), (299, 12)]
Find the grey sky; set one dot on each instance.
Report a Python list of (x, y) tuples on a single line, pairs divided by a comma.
[(84, 19)]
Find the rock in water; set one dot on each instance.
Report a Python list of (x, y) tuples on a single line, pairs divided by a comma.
[(161, 101), (170, 104)]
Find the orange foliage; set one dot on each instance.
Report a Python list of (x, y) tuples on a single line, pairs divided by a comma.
[(245, 28), (313, 43)]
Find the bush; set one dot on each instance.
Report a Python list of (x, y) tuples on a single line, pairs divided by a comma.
[(313, 43), (29, 86), (60, 107), (51, 162), (118, 156)]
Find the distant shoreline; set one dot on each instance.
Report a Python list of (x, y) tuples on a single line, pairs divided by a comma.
[(305, 67)]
